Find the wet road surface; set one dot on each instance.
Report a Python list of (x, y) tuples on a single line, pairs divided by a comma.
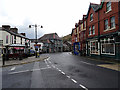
[(60, 70)]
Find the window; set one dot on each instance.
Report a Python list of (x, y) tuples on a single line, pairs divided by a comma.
[(7, 39), (84, 24), (94, 47), (93, 28), (89, 30), (112, 23), (91, 17), (1, 42), (14, 39), (108, 46), (108, 6), (106, 24)]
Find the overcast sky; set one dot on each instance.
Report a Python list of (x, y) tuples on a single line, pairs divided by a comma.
[(57, 16)]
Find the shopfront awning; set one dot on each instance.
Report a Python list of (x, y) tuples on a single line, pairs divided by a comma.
[(15, 45)]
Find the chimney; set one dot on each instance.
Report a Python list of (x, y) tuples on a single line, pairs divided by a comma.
[(23, 34), (6, 27), (15, 30)]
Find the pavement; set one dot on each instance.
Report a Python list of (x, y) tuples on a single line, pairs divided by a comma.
[(109, 63), (23, 61)]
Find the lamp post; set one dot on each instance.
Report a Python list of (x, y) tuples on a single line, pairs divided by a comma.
[(35, 35)]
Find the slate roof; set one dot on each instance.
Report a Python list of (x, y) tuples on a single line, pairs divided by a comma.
[(49, 37), (17, 34), (95, 6)]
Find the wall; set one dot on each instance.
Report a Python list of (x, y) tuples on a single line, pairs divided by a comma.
[(106, 15)]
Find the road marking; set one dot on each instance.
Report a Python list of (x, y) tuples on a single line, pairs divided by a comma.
[(67, 76), (74, 80), (86, 63), (19, 72), (59, 70), (13, 68), (63, 73), (83, 87), (53, 66)]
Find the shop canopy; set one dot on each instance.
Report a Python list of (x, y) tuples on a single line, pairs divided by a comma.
[(15, 45)]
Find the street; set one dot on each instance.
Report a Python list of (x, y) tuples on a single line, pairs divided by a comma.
[(60, 70)]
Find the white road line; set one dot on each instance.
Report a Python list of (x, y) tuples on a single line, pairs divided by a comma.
[(53, 66), (35, 69), (63, 73), (13, 68), (74, 80), (83, 87), (68, 76), (19, 72), (59, 70), (44, 68), (86, 63)]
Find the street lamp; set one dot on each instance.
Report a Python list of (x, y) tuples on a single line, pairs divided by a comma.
[(35, 35)]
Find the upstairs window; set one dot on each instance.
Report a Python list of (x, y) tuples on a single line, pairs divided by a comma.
[(91, 17), (89, 30), (93, 28), (108, 6), (112, 22), (7, 39), (106, 24)]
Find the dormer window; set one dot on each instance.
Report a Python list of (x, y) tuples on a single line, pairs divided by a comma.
[(108, 6), (91, 17)]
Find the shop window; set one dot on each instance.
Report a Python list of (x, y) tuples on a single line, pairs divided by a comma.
[(108, 6), (94, 47), (108, 46), (112, 23)]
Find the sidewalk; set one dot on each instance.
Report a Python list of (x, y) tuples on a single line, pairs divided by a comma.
[(111, 63), (23, 61)]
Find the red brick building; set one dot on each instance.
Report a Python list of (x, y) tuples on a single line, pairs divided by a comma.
[(102, 31), (103, 28)]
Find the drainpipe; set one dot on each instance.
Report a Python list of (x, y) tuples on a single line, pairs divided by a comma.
[(99, 45), (119, 15)]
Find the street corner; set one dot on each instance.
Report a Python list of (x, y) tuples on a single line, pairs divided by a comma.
[(115, 67), (24, 61)]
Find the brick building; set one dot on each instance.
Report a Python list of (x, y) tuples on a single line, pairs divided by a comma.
[(102, 30)]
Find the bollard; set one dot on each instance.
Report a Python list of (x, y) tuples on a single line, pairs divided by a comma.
[(3, 57)]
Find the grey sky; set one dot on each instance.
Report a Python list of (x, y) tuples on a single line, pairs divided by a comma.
[(57, 16)]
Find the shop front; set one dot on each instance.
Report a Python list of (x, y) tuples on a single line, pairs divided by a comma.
[(76, 48), (15, 51)]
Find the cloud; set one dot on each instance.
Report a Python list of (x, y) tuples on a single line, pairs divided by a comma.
[(30, 32)]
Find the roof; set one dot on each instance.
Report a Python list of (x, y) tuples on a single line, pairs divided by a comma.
[(17, 34), (50, 36), (94, 6)]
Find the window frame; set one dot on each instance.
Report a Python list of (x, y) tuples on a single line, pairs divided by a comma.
[(90, 31), (108, 6), (107, 42), (112, 23), (91, 17), (6, 39), (93, 29), (105, 24)]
